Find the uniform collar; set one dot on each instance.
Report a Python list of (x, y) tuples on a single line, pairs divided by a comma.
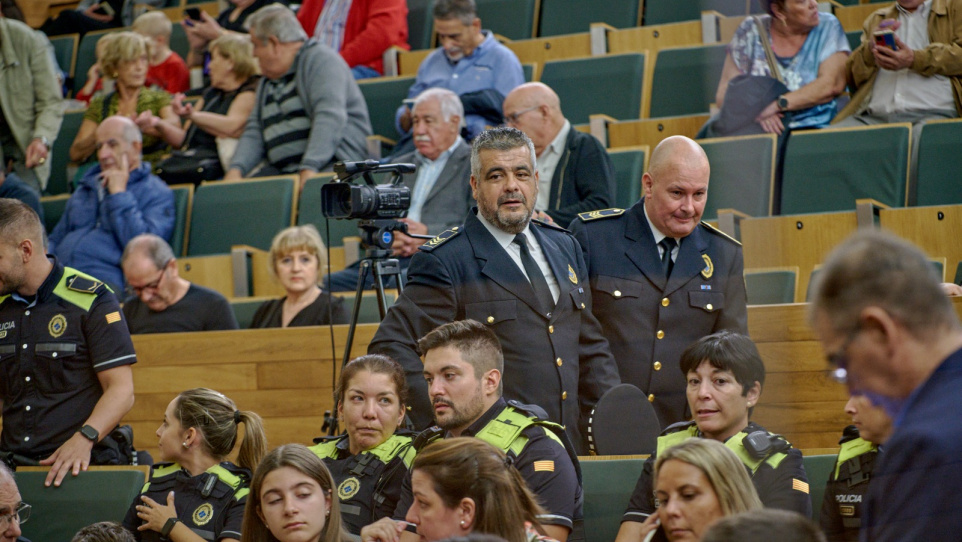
[(46, 288), (485, 418)]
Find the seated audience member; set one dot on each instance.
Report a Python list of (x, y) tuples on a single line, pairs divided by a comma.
[(471, 63), (696, 483), (31, 106), (465, 485), (125, 60), (104, 531), (576, 174), (115, 201), (98, 83), (296, 260), (222, 112), (93, 15), (371, 394), (920, 78), (951, 289), (360, 33), (160, 300), (810, 47), (13, 511), (12, 187), (292, 486), (463, 363), (847, 487), (762, 526), (199, 494), (309, 111), (725, 376), (167, 69), (440, 187), (233, 19)]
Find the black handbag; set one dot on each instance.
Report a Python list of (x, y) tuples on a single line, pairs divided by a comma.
[(190, 166)]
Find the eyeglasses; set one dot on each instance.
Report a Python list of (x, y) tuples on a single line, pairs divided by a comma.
[(838, 361), (21, 515), (136, 290), (513, 117)]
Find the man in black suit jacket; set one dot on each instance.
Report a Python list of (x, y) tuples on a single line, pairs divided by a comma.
[(576, 171), (555, 355), (650, 318)]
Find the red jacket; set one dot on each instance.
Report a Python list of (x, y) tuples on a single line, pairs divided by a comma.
[(372, 27)]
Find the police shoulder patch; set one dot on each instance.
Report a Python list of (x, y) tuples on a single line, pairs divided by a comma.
[(603, 213), (717, 231), (80, 283), (440, 239)]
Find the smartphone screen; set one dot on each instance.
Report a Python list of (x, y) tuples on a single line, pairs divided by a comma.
[(885, 38), (192, 13)]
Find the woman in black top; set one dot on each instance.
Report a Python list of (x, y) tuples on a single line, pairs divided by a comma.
[(297, 257)]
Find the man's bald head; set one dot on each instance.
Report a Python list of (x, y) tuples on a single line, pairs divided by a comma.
[(677, 152), (676, 186), (534, 109)]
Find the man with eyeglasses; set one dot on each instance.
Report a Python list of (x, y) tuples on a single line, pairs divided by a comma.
[(576, 171), (116, 200), (891, 335), (660, 278), (13, 511), (65, 353), (160, 301)]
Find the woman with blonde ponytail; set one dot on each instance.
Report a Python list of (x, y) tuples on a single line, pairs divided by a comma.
[(199, 495)]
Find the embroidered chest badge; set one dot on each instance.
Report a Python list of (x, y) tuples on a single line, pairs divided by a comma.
[(203, 514), (572, 276), (348, 488), (709, 267), (57, 325)]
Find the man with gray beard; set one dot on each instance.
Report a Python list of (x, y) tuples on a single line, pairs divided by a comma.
[(524, 279)]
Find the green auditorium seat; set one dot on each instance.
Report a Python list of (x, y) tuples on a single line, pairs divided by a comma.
[(742, 174), (819, 469), (940, 163), (513, 19), (771, 286), (248, 212), (59, 182), (810, 291), (854, 38), (183, 197), (827, 170), (684, 80), (571, 16), (675, 11), (369, 313), (245, 308), (65, 49), (383, 96), (178, 41), (608, 485), (53, 207), (629, 166), (309, 212), (528, 68), (87, 55), (420, 24), (98, 494), (617, 82)]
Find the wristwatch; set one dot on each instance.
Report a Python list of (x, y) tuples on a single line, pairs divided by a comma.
[(44, 140), (782, 103), (90, 433)]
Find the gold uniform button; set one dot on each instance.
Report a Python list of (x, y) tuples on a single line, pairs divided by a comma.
[(617, 293), (564, 395), (550, 329), (708, 306), (582, 305), (651, 398), (665, 302), (558, 361), (490, 319), (657, 365), (660, 334)]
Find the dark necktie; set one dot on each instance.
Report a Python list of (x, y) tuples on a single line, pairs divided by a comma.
[(667, 244), (535, 275)]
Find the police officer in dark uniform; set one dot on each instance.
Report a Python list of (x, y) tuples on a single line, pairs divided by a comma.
[(659, 279), (199, 493), (860, 451), (370, 461), (462, 366), (524, 279), (65, 351), (725, 376)]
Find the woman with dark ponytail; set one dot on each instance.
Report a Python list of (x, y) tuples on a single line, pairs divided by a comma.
[(199, 496)]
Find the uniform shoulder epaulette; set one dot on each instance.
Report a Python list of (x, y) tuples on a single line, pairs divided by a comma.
[(441, 238), (676, 427), (533, 411), (83, 284), (549, 225), (588, 216), (717, 231)]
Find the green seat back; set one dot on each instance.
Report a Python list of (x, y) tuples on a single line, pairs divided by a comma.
[(53, 208), (244, 310), (629, 167), (854, 38), (59, 182), (513, 19), (939, 164), (827, 170), (528, 69), (621, 77), (420, 24), (369, 313), (94, 495), (182, 201), (742, 174), (810, 291), (685, 79), (65, 50), (573, 16), (309, 212), (675, 11), (608, 485), (87, 55), (770, 287), (178, 40), (819, 469), (239, 213), (383, 96)]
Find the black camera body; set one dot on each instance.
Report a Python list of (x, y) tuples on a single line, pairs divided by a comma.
[(368, 201)]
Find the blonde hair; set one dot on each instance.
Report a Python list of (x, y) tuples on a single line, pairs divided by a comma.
[(295, 238), (725, 472), (240, 51), (123, 47), (153, 24)]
